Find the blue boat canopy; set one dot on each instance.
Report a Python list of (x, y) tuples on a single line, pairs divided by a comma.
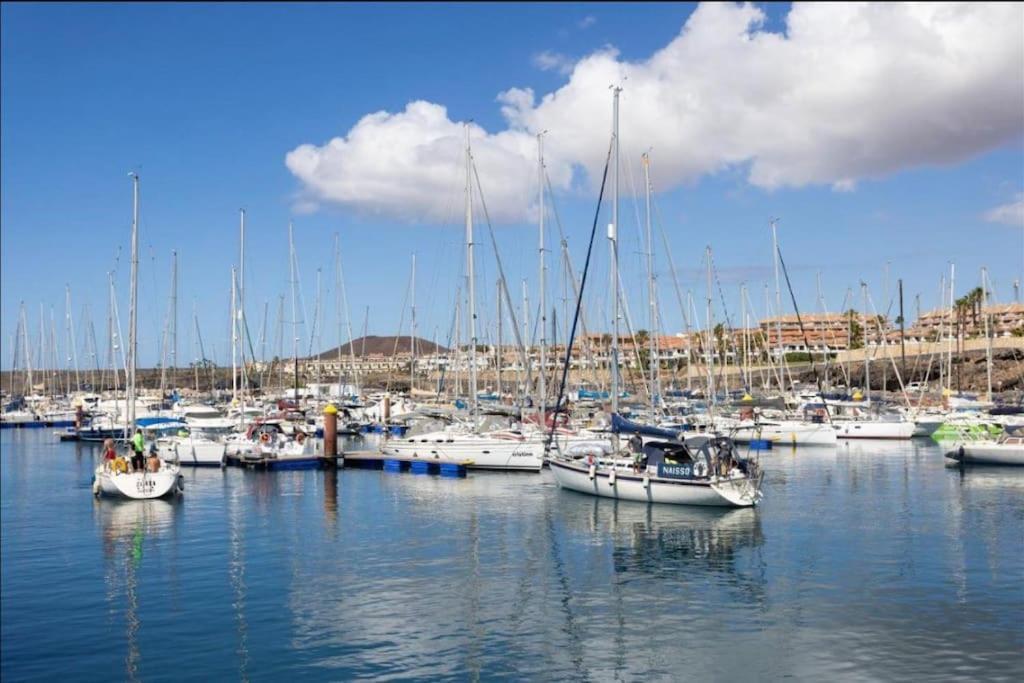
[(621, 425)]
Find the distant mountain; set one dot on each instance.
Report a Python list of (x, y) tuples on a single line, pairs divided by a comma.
[(381, 346)]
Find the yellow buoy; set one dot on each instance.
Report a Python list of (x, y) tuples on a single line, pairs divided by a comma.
[(330, 410), (747, 397), (857, 396)]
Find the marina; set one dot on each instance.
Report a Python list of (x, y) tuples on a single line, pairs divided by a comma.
[(660, 342)]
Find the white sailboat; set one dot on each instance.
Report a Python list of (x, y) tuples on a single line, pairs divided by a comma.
[(782, 432), (115, 478), (492, 450), (702, 470)]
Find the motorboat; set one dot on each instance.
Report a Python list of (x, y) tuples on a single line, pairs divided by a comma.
[(1005, 450)]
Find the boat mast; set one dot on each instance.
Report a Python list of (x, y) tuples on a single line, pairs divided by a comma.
[(542, 283), (42, 351), (73, 346), (988, 337), (952, 329), (25, 351), (234, 339), (497, 359), (746, 338), (348, 318), (243, 327), (196, 360), (170, 327), (710, 340), (114, 332), (653, 360), (867, 356), (279, 358), (132, 312), (942, 329), (778, 297), (174, 317), (527, 338), (458, 343), (63, 386), (470, 276), (613, 245), (295, 314), (314, 337), (412, 330)]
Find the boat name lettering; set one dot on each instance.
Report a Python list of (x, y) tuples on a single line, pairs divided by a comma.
[(675, 471)]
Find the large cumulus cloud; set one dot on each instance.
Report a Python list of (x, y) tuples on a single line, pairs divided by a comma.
[(846, 92)]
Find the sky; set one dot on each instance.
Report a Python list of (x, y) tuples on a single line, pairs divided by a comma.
[(888, 141)]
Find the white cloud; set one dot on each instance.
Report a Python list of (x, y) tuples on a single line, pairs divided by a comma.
[(411, 165), (553, 61), (848, 92), (1008, 214), (586, 22)]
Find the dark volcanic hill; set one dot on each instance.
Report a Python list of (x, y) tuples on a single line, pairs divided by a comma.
[(383, 346)]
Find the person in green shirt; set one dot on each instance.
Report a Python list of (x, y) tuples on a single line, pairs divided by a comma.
[(139, 448)]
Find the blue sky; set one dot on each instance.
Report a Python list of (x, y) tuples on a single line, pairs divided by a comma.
[(206, 101)]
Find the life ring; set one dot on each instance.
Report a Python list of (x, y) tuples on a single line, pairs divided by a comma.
[(265, 437), (700, 468)]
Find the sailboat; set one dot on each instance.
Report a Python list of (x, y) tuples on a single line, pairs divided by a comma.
[(499, 450), (115, 478), (701, 470)]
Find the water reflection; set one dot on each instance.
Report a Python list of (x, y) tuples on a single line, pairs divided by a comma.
[(126, 526), (866, 560), (236, 574), (330, 480)]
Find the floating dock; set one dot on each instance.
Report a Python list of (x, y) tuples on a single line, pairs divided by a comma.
[(288, 462), (368, 459)]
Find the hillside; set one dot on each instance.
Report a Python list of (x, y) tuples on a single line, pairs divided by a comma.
[(382, 346)]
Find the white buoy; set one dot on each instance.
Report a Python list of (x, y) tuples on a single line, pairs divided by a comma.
[(593, 471), (647, 480), (611, 478)]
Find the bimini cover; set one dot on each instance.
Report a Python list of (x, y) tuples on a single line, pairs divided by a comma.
[(623, 426), (144, 422)]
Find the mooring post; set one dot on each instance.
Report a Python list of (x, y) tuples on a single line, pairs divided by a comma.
[(330, 431)]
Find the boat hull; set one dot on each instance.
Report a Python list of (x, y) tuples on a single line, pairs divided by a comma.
[(201, 453), (988, 454), (874, 430), (137, 485), (731, 493), (794, 434), (481, 453)]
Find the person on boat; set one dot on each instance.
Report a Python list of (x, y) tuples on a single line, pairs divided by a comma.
[(153, 462), (139, 448), (109, 454), (636, 447)]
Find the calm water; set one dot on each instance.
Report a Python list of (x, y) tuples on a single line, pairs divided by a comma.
[(865, 562)]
